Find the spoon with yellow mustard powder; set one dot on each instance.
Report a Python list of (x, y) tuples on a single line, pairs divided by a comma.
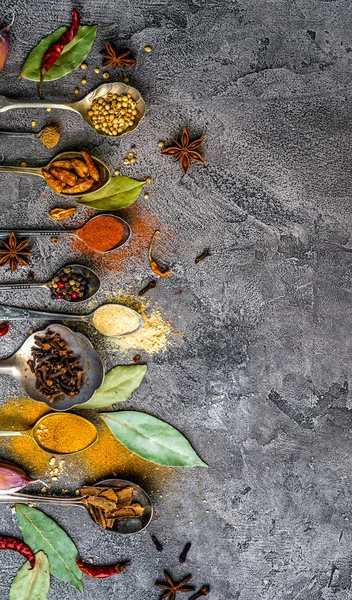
[(112, 320), (60, 433)]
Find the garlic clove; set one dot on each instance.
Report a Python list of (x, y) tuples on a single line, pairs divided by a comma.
[(13, 478)]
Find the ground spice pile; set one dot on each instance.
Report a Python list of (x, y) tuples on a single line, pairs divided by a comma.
[(153, 337), (50, 136), (102, 233)]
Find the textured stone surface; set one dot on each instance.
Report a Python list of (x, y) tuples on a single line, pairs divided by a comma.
[(260, 384)]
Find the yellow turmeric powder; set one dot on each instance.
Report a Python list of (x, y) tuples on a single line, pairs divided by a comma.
[(64, 433)]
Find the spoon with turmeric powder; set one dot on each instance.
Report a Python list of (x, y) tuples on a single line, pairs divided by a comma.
[(49, 135), (69, 174), (60, 433)]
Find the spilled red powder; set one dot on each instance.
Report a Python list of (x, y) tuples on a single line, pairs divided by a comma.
[(143, 224)]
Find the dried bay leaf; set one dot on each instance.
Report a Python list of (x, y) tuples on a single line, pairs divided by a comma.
[(42, 533), (119, 193), (152, 439), (118, 385), (32, 584), (70, 58)]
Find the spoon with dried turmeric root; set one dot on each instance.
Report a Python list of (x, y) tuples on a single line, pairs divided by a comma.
[(71, 174)]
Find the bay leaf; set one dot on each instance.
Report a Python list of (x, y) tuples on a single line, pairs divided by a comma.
[(119, 193), (152, 439), (32, 584), (40, 532), (70, 58), (118, 385)]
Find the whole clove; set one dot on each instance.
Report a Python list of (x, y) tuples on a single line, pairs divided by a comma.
[(183, 555), (156, 543), (204, 591), (202, 256), (149, 286), (58, 372)]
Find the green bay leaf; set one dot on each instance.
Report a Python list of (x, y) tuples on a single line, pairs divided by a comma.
[(152, 439), (70, 58), (42, 533), (32, 584), (118, 385), (119, 193)]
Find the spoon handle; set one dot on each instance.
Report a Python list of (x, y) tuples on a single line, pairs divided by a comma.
[(38, 232), (11, 433), (24, 134), (12, 498), (7, 287), (22, 170), (9, 104), (14, 313)]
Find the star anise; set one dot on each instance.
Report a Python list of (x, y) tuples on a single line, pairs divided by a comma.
[(14, 253), (172, 588), (185, 151), (117, 58)]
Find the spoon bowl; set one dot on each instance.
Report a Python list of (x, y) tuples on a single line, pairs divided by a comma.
[(82, 106), (122, 526), (104, 172), (93, 370), (37, 432), (93, 283)]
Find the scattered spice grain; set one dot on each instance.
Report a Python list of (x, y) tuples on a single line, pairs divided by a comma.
[(183, 555), (151, 285), (202, 256), (156, 543)]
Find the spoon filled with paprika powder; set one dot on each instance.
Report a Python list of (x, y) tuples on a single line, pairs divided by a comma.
[(102, 233)]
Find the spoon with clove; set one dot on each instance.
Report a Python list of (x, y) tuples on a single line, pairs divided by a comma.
[(122, 525), (88, 277)]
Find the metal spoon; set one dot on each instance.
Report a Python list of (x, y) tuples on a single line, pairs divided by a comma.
[(35, 433), (82, 106), (89, 275), (13, 313), (72, 233), (104, 171), (122, 525), (93, 370), (23, 134)]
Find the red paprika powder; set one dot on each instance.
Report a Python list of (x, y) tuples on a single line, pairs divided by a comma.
[(102, 233)]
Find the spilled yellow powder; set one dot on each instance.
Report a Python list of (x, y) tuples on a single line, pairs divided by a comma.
[(153, 337)]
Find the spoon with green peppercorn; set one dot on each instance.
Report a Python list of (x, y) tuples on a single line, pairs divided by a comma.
[(73, 283)]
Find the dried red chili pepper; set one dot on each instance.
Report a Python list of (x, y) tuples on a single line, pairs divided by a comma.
[(53, 53), (100, 572), (10, 543), (4, 327)]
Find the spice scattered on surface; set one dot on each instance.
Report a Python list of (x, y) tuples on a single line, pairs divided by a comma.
[(117, 172), (59, 214), (117, 58), (23, 163), (4, 328), (126, 79), (65, 433), (14, 253), (100, 572), (96, 70), (185, 151), (151, 285), (50, 136), (108, 504), (34, 123), (83, 81), (156, 543), (48, 109), (161, 144), (76, 91), (204, 591), (148, 49), (113, 114), (106, 75), (183, 555), (148, 179), (84, 66), (102, 233), (58, 372), (172, 588), (155, 267), (115, 320), (137, 359), (146, 196), (203, 255)]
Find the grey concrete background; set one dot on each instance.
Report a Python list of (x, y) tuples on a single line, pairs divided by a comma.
[(260, 384)]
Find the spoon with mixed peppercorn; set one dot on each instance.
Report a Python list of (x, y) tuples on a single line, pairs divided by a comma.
[(73, 283), (71, 174)]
